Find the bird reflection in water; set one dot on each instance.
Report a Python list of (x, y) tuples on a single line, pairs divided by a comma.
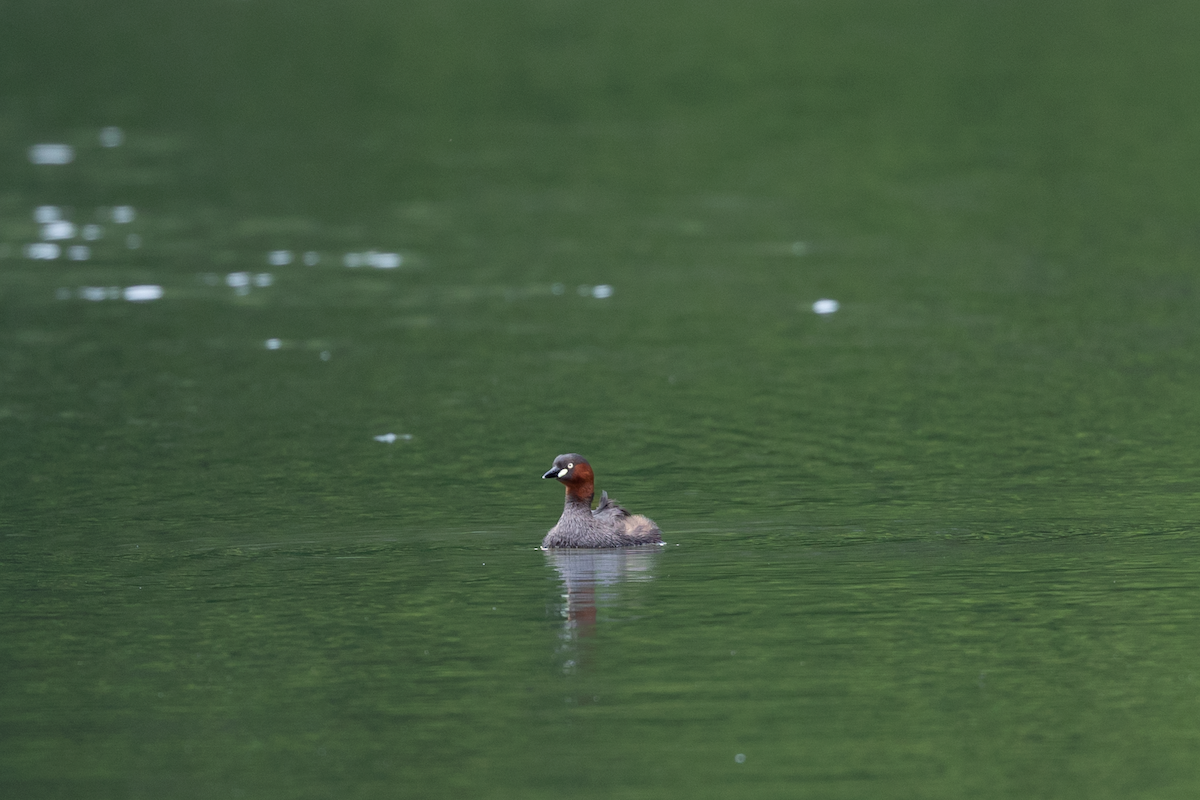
[(591, 580)]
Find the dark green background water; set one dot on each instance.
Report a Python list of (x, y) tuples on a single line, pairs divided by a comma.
[(937, 544)]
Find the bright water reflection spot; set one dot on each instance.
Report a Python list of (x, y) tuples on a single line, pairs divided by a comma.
[(51, 154), (123, 215), (143, 293), (97, 293), (385, 260), (112, 136), (390, 438), (79, 252), (371, 258), (599, 292), (55, 231), (825, 306), (92, 232), (280, 258), (274, 344), (42, 251), (44, 215)]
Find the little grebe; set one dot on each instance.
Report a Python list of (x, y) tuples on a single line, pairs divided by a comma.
[(608, 525)]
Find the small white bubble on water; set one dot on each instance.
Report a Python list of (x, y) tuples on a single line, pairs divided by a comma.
[(274, 344), (42, 251), (602, 291), (57, 231), (123, 215), (235, 280), (92, 232), (79, 252), (386, 438), (825, 306), (93, 293), (740, 758), (264, 279), (279, 258), (143, 293), (51, 154), (133, 241), (112, 136), (43, 215), (312, 258)]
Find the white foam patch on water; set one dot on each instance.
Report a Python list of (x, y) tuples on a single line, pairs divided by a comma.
[(825, 306), (274, 344), (79, 252), (123, 215), (390, 438), (264, 279), (44, 215), (51, 154), (280, 258), (235, 280), (92, 232), (602, 291)]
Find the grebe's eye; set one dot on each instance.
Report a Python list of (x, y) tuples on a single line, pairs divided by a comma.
[(570, 466), (562, 472)]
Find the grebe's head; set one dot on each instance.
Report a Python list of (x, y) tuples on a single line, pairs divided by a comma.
[(571, 469)]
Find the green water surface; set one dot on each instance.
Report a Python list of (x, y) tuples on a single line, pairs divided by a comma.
[(938, 544)]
